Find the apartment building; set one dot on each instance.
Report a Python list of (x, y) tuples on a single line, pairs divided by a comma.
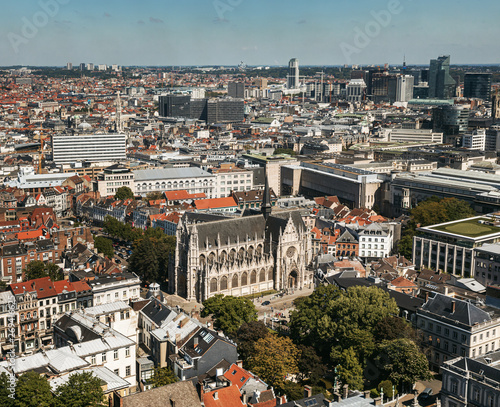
[(453, 328)]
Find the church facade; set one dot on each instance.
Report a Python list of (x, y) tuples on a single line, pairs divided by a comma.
[(240, 256)]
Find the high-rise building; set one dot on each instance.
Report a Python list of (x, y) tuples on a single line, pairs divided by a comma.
[(236, 90), (293, 74), (90, 66), (404, 91), (82, 66), (441, 83), (222, 110), (355, 90), (69, 66), (495, 106), (88, 147), (477, 85), (450, 119)]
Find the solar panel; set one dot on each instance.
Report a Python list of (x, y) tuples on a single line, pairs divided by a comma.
[(208, 338)]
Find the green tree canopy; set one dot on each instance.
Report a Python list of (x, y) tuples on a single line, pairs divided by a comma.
[(402, 362), (6, 397), (288, 151), (33, 390), (124, 193), (246, 337), (151, 257), (104, 246), (229, 312), (310, 365), (163, 376), (273, 359), (350, 370), (330, 319), (81, 390), (39, 269)]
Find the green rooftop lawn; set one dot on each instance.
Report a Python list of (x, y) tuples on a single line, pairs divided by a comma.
[(469, 228)]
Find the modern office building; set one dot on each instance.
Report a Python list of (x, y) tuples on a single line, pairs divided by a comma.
[(236, 90), (220, 110), (450, 119), (293, 80), (415, 136), (477, 85), (88, 147), (475, 140), (404, 90), (441, 83), (495, 106), (450, 247), (355, 90), (69, 66), (356, 187), (487, 264), (113, 178)]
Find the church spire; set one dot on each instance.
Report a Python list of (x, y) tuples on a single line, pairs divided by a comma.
[(266, 201)]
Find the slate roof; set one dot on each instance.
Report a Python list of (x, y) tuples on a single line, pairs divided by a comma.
[(318, 400), (182, 393), (157, 312), (465, 312)]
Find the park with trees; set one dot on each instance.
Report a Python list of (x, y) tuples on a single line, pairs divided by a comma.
[(336, 337)]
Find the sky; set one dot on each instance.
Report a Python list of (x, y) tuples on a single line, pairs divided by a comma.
[(257, 32)]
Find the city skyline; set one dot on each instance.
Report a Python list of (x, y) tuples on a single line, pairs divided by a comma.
[(225, 32)]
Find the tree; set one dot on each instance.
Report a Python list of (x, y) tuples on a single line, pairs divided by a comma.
[(402, 362), (104, 246), (154, 196), (273, 359), (293, 391), (393, 327), (246, 337), (6, 397), (349, 369), (310, 364), (330, 319), (124, 193), (229, 312), (39, 269), (81, 390), (33, 390), (163, 376)]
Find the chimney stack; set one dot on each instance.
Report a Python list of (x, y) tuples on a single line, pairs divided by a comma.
[(367, 394), (307, 391), (378, 401), (345, 391), (453, 306)]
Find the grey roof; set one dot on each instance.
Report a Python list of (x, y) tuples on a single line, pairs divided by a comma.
[(112, 380), (465, 312), (157, 312), (170, 173), (317, 400), (493, 248), (480, 366), (357, 401), (184, 394)]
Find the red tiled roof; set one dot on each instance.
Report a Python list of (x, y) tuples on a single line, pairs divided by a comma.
[(215, 203), (80, 286), (237, 375), (44, 287), (224, 397)]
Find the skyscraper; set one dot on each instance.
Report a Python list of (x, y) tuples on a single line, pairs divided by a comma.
[(236, 90), (441, 84), (477, 85), (404, 91), (293, 73)]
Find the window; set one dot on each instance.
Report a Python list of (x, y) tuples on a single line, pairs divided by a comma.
[(115, 354), (92, 360), (127, 351), (117, 372), (454, 387), (127, 371), (103, 357)]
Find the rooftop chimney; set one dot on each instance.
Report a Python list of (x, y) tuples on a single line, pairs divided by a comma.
[(378, 401), (366, 394), (195, 341), (307, 391), (345, 391), (453, 306), (216, 395)]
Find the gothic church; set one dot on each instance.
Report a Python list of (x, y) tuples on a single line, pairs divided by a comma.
[(238, 256)]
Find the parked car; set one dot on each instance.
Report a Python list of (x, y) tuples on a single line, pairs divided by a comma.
[(266, 303), (426, 393)]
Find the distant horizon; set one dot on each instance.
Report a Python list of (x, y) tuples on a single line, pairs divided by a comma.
[(224, 32), (249, 67)]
